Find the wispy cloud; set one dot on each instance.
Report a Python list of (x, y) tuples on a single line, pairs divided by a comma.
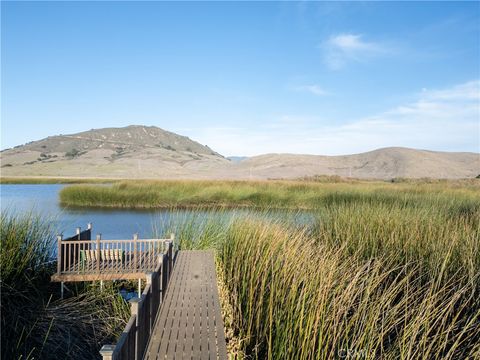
[(438, 119), (468, 90), (343, 48), (312, 89)]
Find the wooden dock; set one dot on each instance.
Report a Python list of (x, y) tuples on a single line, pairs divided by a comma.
[(189, 324), (176, 316)]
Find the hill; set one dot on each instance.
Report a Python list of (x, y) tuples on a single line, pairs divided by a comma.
[(132, 151), (386, 163), (150, 152)]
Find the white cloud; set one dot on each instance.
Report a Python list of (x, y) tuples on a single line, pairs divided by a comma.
[(468, 90), (312, 89), (343, 48), (445, 119)]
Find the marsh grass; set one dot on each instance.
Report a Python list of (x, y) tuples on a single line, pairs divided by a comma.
[(262, 194), (377, 275), (34, 322), (298, 295)]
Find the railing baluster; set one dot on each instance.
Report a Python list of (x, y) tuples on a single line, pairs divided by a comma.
[(99, 236), (135, 256), (64, 255), (59, 254)]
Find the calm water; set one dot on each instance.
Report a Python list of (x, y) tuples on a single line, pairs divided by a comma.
[(112, 224)]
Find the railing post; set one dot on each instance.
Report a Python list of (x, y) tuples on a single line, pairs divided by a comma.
[(170, 259), (99, 236), (135, 252), (153, 299), (134, 310), (89, 233), (162, 284), (107, 352), (59, 253), (172, 239)]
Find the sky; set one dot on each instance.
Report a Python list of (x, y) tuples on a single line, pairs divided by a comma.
[(246, 78)]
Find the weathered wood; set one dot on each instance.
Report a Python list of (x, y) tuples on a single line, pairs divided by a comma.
[(84, 257), (189, 324)]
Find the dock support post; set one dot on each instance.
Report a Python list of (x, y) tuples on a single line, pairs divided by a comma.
[(78, 230), (61, 290), (139, 288), (107, 352), (101, 285)]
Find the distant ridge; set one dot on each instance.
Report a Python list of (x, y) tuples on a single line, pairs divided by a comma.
[(150, 152), (385, 163)]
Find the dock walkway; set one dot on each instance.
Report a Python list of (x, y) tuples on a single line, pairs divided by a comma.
[(189, 324), (177, 316)]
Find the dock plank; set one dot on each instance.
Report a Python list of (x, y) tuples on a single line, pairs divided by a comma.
[(189, 325)]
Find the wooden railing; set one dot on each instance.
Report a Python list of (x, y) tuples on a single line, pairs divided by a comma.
[(118, 256), (134, 339)]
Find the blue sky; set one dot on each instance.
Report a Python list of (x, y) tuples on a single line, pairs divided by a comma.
[(247, 78)]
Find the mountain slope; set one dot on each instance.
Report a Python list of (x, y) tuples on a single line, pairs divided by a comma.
[(150, 152), (132, 151)]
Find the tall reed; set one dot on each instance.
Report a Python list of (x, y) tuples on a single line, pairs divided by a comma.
[(297, 297), (34, 322)]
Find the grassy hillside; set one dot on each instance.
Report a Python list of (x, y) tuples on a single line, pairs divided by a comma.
[(148, 152), (133, 151)]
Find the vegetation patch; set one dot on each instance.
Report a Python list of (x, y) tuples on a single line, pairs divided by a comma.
[(366, 276), (265, 194), (35, 322)]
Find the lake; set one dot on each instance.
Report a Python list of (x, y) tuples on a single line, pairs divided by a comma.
[(43, 199), (112, 224)]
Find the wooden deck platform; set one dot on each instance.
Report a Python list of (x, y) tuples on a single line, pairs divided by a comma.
[(189, 324), (128, 269), (82, 259)]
